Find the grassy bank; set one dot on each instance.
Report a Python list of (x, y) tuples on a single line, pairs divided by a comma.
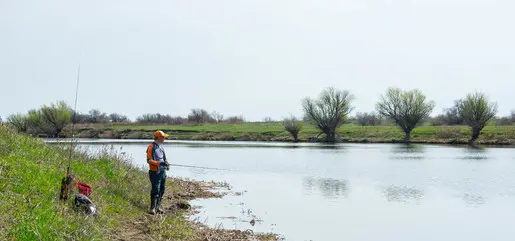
[(30, 174), (274, 132)]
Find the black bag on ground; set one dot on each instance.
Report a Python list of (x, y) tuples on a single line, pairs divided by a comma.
[(82, 202)]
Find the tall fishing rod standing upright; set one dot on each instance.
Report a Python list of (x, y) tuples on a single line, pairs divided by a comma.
[(66, 182)]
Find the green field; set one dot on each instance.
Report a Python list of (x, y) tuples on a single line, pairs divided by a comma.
[(274, 131)]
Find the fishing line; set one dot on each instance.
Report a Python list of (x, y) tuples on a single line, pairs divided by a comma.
[(211, 168)]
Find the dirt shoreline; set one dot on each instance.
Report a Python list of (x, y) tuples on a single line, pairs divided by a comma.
[(176, 201)]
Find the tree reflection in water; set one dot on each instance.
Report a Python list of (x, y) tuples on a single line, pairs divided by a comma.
[(328, 187), (407, 152), (403, 194)]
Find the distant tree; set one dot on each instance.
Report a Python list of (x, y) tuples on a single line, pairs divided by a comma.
[(268, 119), (437, 120), (115, 117), (329, 111), (368, 119), (406, 108), (154, 118), (512, 116), (293, 126), (452, 115), (80, 118), (95, 116), (235, 119), (477, 110), (199, 116), (177, 120), (217, 117), (19, 121), (503, 121)]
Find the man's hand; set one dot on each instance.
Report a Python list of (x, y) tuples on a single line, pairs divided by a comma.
[(166, 165)]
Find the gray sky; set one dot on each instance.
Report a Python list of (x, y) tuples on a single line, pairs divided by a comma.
[(251, 58)]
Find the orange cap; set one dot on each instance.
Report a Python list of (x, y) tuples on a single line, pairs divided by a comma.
[(160, 133)]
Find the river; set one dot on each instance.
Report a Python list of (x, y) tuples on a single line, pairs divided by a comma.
[(349, 191)]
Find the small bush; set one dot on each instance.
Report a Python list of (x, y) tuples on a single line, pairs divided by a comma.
[(293, 126)]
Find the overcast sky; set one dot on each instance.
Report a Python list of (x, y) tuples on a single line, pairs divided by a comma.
[(252, 58)]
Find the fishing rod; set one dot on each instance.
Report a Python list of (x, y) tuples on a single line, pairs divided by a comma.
[(67, 180), (74, 119)]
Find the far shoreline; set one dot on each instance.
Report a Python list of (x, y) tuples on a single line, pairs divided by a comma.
[(124, 140)]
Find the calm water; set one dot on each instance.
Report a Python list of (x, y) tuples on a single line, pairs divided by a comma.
[(351, 191)]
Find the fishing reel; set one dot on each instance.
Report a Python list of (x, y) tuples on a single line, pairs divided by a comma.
[(166, 165), (66, 186)]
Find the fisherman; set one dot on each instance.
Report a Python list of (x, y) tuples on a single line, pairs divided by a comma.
[(158, 164)]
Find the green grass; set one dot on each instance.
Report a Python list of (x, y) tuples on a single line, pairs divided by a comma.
[(30, 209), (350, 132), (244, 127)]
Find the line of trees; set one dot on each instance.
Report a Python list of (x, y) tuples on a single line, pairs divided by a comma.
[(407, 109), (51, 120)]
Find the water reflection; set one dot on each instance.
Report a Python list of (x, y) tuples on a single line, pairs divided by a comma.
[(475, 153), (407, 152), (474, 200), (328, 187), (402, 194)]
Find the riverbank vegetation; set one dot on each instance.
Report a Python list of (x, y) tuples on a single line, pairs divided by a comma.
[(30, 209), (325, 119)]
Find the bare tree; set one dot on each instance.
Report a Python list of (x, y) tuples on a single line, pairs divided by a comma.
[(329, 111), (512, 116), (199, 116), (368, 119), (177, 120), (95, 116), (268, 119), (406, 108), (503, 121), (155, 118), (452, 115), (80, 118), (235, 119), (19, 121), (477, 110), (115, 117), (217, 117), (293, 126)]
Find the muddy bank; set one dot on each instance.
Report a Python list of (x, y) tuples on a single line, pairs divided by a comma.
[(176, 204)]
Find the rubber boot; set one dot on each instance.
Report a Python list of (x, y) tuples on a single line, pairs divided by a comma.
[(159, 209), (153, 204)]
